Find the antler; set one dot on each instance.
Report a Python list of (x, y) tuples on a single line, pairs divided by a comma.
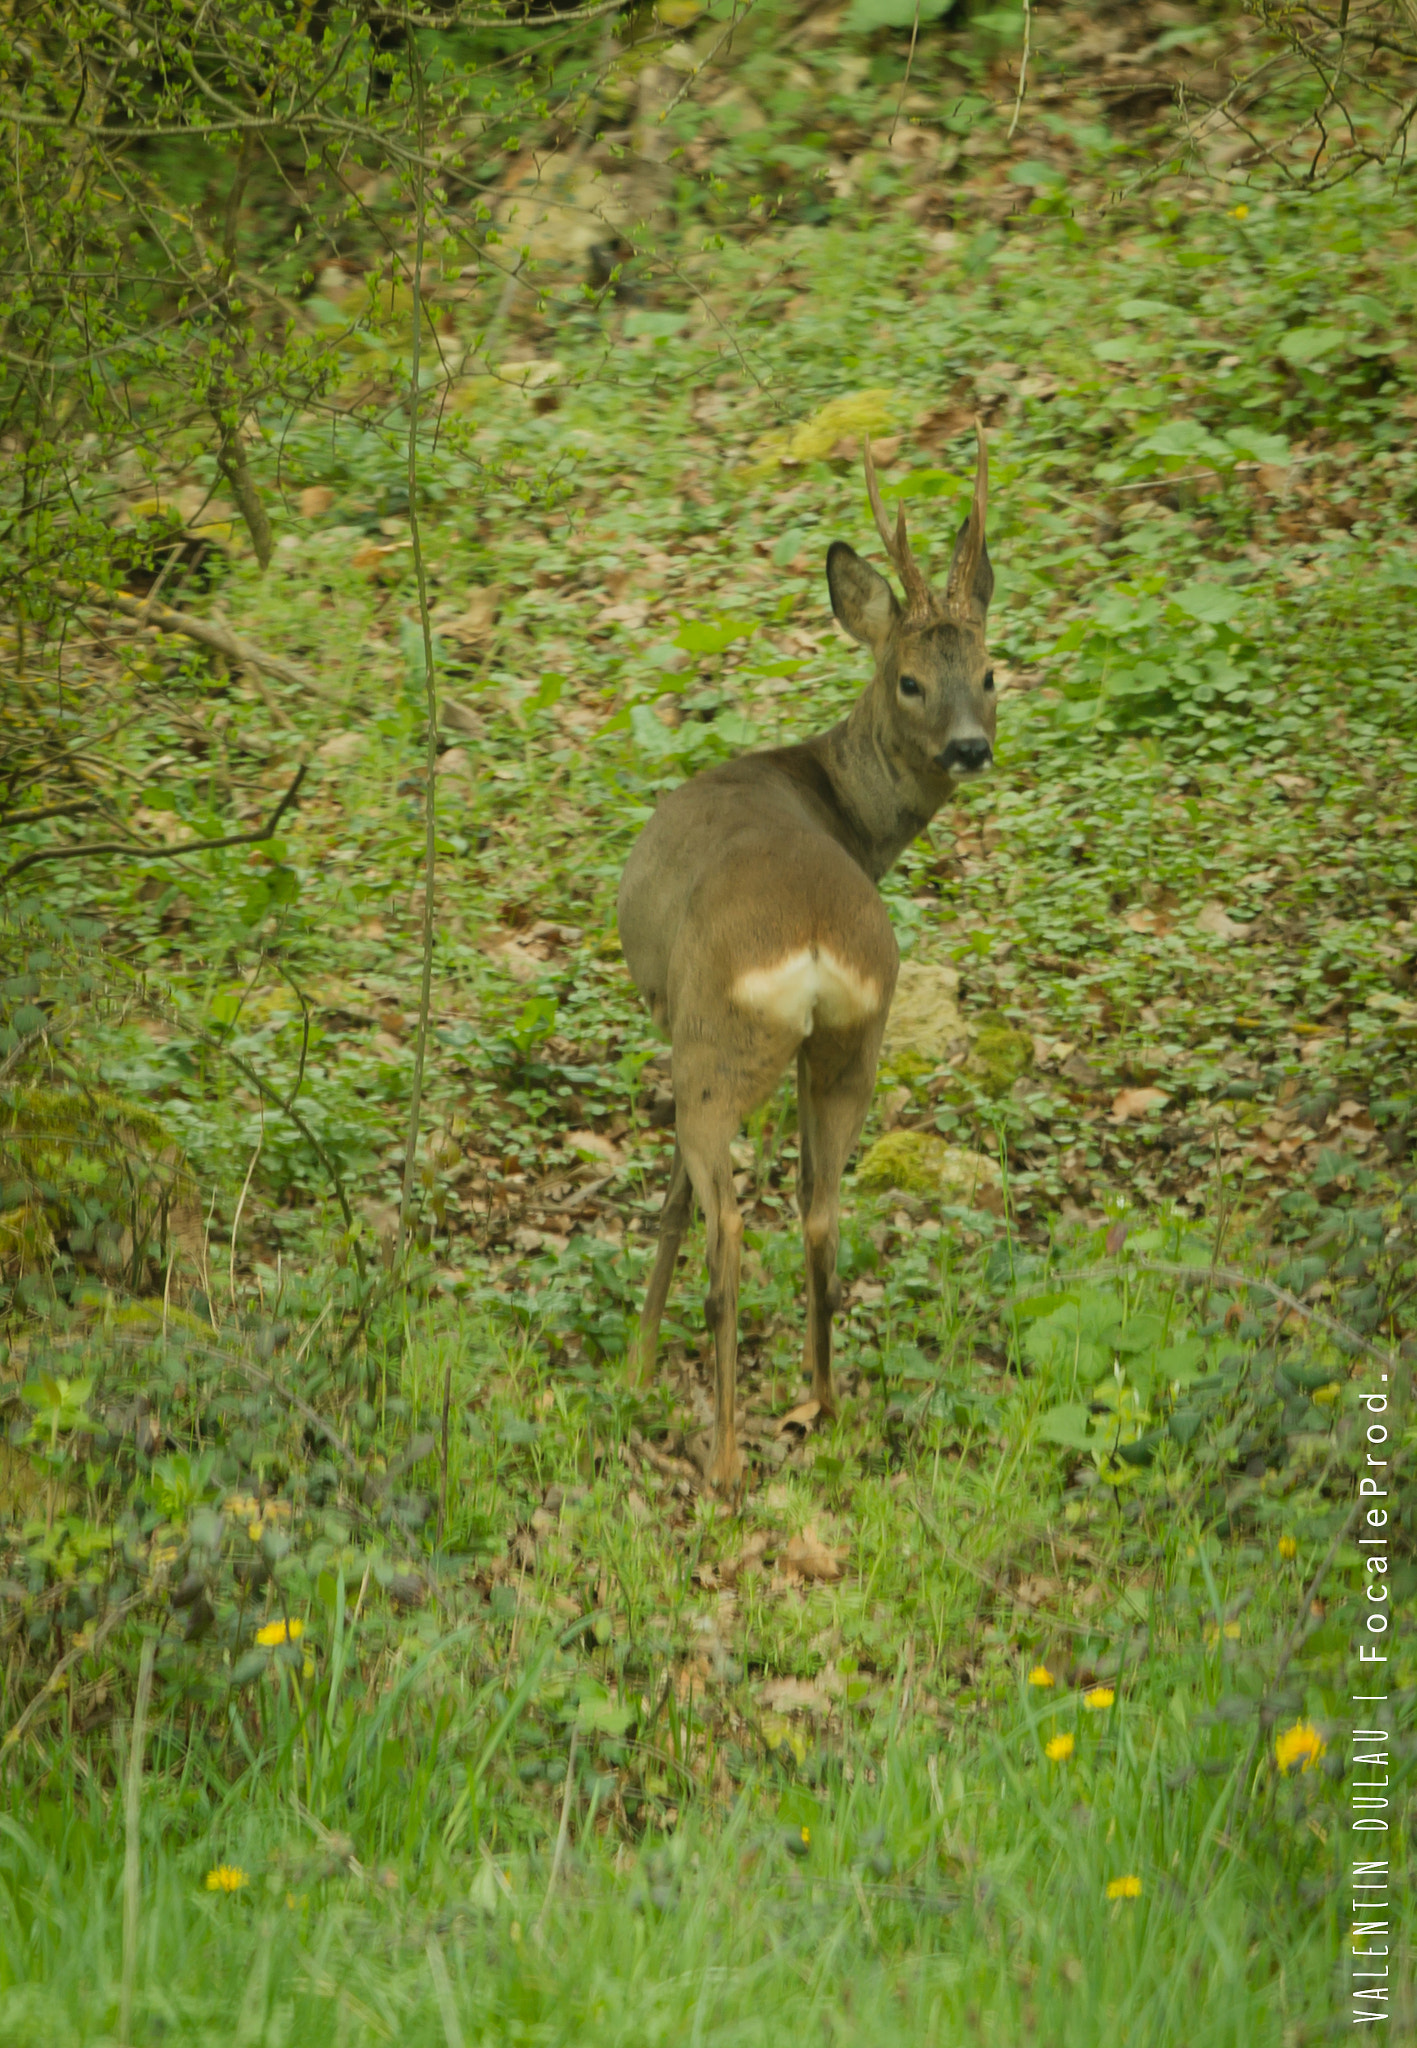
[(959, 598), (919, 598)]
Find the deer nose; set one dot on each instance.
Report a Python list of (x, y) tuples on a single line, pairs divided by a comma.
[(965, 757)]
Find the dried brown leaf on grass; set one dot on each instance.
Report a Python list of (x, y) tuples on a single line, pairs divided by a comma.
[(810, 1558), (1132, 1102)]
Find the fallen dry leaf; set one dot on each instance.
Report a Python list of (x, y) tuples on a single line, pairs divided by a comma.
[(1215, 920), (593, 1145), (799, 1418), (794, 1696), (1130, 1102), (373, 556), (456, 717), (748, 1558), (341, 747), (812, 1559), (1034, 1592), (476, 621), (316, 501)]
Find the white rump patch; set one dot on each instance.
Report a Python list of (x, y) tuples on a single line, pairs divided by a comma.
[(806, 985)]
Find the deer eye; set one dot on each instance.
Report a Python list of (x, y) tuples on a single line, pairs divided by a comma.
[(910, 688), (989, 680)]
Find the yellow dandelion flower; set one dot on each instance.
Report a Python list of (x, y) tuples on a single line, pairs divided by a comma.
[(276, 1632), (1241, 212), (806, 1837), (1302, 1744), (1288, 1547), (1128, 1887), (1041, 1675), (226, 1878), (1100, 1698), (1058, 1748)]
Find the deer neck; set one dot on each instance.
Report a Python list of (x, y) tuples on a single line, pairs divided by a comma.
[(883, 802)]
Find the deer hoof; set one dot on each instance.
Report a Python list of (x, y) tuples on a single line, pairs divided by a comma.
[(722, 1466)]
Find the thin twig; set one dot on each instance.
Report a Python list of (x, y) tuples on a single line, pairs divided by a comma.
[(241, 1204), (987, 1578), (17, 1052), (1226, 1276), (662, 1462), (563, 1833), (1023, 65), (443, 1457), (735, 21), (909, 63), (132, 1855), (138, 850), (430, 798), (84, 1646), (443, 1992), (162, 619), (311, 1416), (287, 1106), (74, 809)]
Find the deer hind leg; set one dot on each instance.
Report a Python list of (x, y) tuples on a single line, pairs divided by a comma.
[(705, 1129), (673, 1221), (835, 1077)]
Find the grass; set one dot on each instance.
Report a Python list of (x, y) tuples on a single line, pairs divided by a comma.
[(562, 1750)]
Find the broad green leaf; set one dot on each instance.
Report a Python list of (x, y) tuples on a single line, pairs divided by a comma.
[(1067, 1424), (1212, 603), (866, 16), (711, 636), (1142, 1333), (1308, 344)]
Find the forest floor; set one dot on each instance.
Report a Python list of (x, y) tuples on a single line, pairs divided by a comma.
[(1015, 1703)]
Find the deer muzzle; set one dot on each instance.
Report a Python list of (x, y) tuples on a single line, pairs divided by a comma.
[(965, 757)]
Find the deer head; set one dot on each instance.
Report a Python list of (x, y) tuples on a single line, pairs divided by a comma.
[(932, 700)]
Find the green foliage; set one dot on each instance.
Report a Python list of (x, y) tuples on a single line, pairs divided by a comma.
[(422, 1572)]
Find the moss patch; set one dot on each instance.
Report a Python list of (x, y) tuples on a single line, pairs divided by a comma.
[(919, 1163), (1000, 1055)]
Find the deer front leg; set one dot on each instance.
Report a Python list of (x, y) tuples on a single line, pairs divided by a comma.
[(673, 1222)]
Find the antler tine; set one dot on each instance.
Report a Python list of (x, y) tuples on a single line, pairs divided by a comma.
[(959, 601), (873, 492), (981, 472), (918, 597)]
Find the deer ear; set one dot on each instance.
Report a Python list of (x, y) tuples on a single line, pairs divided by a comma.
[(971, 559), (862, 600)]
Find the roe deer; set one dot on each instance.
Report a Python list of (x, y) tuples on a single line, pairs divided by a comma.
[(752, 925)]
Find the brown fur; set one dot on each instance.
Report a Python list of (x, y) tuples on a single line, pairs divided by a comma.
[(760, 875)]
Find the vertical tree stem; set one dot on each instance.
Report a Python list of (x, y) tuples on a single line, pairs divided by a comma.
[(1023, 66), (132, 1858), (425, 994)]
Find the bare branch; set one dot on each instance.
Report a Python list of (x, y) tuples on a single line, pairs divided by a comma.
[(136, 849), (164, 620)]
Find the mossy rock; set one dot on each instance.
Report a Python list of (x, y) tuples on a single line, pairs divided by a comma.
[(29, 1116), (919, 1163), (26, 1240), (924, 1026), (89, 1170), (1000, 1055)]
